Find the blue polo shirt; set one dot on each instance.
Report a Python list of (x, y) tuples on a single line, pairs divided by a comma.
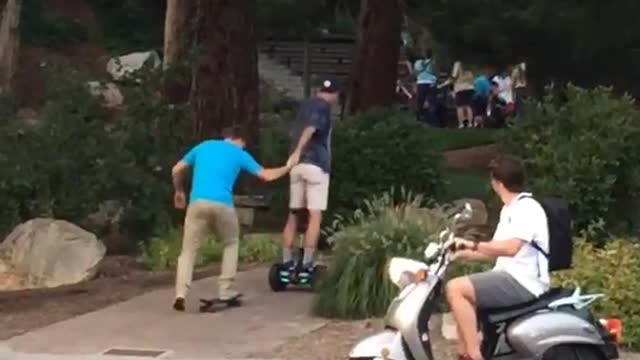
[(216, 166)]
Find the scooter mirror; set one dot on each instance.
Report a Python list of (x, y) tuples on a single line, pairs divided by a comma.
[(443, 235)]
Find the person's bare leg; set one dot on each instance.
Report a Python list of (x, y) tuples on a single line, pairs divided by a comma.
[(312, 235), (288, 237), (461, 298), (460, 114)]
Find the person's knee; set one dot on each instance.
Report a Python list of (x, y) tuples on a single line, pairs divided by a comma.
[(459, 288)]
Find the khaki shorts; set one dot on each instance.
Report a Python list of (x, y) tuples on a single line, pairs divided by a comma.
[(309, 188)]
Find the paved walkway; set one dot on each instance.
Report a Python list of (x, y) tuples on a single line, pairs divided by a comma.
[(147, 322)]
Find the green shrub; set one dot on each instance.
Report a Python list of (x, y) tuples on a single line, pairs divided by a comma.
[(613, 271), (262, 249), (356, 284), (83, 155), (380, 150), (582, 145), (161, 253), (38, 29)]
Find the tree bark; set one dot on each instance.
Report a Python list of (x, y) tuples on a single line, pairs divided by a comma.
[(176, 89), (375, 69), (174, 31), (224, 88), (9, 44)]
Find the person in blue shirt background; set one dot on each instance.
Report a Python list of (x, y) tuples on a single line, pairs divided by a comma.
[(216, 165), (426, 79), (482, 90)]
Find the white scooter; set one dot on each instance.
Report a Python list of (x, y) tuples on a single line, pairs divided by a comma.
[(556, 326)]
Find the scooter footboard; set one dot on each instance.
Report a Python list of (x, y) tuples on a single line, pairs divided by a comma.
[(376, 345)]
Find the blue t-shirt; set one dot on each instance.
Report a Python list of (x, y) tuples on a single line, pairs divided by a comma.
[(314, 112), (216, 166), (426, 72), (482, 86)]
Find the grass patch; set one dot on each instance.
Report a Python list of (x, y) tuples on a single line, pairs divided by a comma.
[(466, 184), (456, 139)]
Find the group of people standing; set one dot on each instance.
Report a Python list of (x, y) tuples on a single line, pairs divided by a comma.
[(481, 99)]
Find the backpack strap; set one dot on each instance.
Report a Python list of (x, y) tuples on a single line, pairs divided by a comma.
[(533, 243)]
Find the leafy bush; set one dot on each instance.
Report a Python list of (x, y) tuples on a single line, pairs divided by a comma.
[(613, 271), (582, 144), (38, 29), (380, 150), (356, 284), (161, 253), (82, 155)]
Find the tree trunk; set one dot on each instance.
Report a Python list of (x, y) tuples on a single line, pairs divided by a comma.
[(9, 44), (224, 88), (176, 88), (174, 31), (375, 69), (306, 79)]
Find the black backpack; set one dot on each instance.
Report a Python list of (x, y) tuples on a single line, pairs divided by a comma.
[(558, 213)]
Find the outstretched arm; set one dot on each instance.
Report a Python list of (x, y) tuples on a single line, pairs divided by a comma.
[(272, 174)]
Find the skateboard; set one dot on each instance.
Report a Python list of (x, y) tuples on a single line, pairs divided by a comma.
[(209, 305)]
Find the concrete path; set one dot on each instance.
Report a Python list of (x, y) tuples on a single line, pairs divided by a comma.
[(147, 322)]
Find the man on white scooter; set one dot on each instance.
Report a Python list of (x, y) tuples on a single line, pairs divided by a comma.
[(520, 274)]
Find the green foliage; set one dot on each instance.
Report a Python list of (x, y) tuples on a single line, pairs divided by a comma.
[(466, 184), (356, 284), (613, 271), (380, 150), (588, 43), (582, 144), (130, 25), (39, 29), (83, 155), (262, 249), (161, 253)]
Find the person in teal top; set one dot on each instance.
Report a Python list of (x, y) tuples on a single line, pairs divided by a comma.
[(480, 101), (426, 87), (215, 165)]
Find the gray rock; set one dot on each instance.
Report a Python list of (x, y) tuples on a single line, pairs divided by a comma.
[(119, 67), (52, 252)]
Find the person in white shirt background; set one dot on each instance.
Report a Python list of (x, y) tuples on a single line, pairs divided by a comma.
[(520, 273)]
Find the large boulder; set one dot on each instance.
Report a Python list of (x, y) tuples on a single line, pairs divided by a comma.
[(52, 253), (119, 67)]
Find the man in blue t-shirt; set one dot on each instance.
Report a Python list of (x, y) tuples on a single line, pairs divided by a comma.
[(216, 165), (309, 187)]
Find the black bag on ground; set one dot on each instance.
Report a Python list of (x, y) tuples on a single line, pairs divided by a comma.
[(558, 213)]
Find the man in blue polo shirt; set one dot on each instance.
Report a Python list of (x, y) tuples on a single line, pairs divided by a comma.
[(216, 165)]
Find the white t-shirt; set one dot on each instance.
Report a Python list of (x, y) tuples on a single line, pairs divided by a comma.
[(505, 91), (525, 219)]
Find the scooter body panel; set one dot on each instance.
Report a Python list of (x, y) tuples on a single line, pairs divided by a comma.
[(372, 346), (534, 334)]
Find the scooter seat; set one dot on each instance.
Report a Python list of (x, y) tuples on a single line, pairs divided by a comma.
[(498, 315)]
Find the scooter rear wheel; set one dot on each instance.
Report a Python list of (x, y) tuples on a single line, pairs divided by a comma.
[(573, 352)]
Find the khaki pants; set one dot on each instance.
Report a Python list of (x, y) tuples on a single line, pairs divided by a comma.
[(203, 219)]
